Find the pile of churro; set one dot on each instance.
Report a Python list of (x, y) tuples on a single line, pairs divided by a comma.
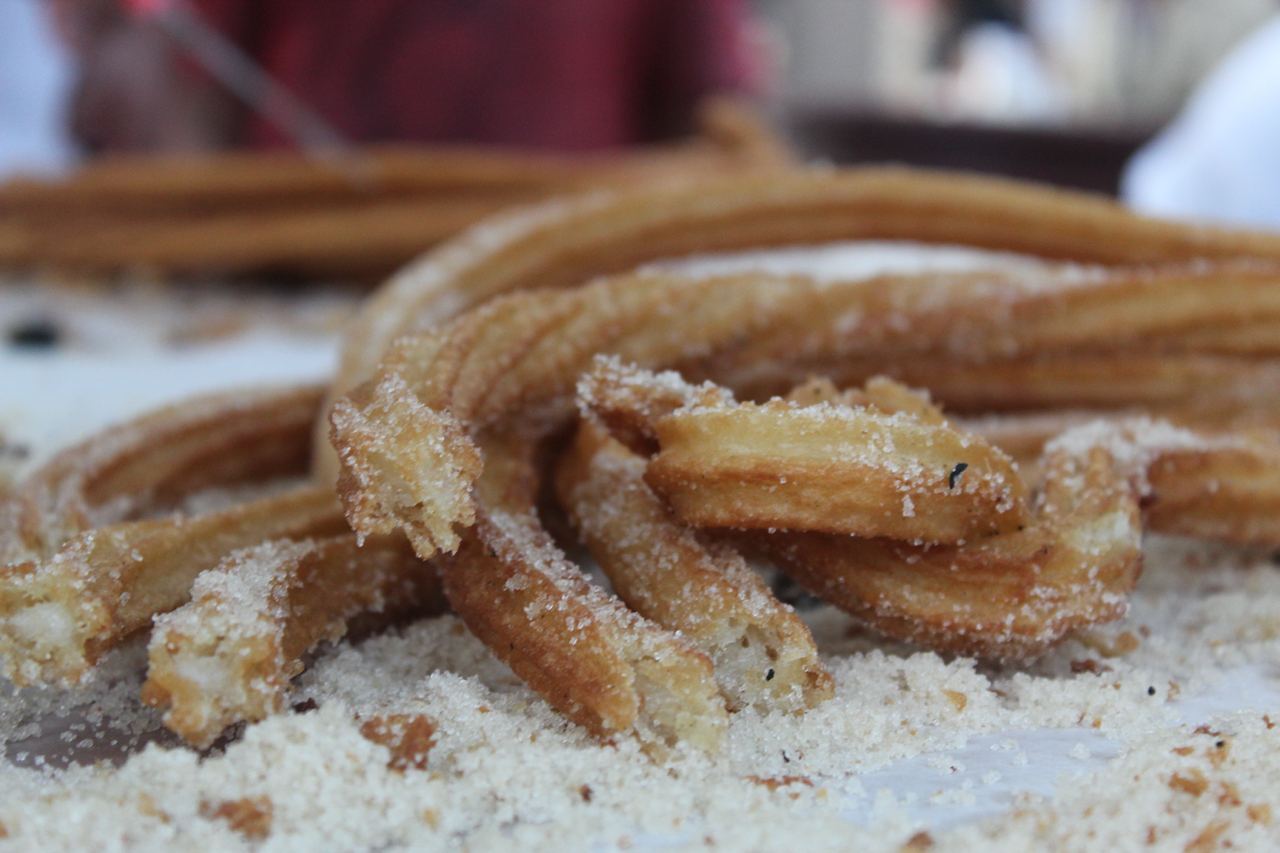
[(964, 461), (357, 215)]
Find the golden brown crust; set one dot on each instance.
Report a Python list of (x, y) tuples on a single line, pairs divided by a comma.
[(763, 654), (834, 469), (1229, 491)]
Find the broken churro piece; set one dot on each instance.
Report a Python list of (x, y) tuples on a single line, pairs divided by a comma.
[(409, 738), (228, 655), (59, 615)]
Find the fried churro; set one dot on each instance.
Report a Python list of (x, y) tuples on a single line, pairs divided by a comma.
[(59, 614), (228, 655), (787, 466), (523, 353), (87, 563), (763, 654), (1008, 596), (916, 523), (149, 464), (358, 216), (568, 243), (605, 667)]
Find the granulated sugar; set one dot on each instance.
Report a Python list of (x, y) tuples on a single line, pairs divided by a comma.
[(506, 770)]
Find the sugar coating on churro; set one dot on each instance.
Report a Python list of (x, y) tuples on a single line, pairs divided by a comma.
[(228, 655), (782, 464), (1136, 443), (58, 615), (761, 651), (634, 674)]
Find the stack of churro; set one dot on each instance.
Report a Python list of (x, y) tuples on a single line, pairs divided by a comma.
[(965, 461), (358, 215)]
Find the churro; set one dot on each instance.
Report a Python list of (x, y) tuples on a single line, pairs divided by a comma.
[(763, 654), (86, 560), (567, 243), (59, 614), (1008, 596), (787, 466), (524, 352), (1012, 596), (604, 667), (228, 655), (149, 464), (918, 524), (356, 216), (1200, 388), (1196, 480)]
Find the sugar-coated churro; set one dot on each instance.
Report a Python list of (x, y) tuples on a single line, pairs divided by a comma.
[(59, 614), (151, 463), (228, 655), (786, 465), (763, 654)]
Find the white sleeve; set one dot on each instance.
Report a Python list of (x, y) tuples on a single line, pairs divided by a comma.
[(1219, 160)]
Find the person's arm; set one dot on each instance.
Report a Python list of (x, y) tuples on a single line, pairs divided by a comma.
[(135, 91)]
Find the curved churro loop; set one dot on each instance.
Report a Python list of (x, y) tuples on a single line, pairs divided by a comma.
[(523, 352), (783, 465), (763, 654), (566, 243), (150, 463), (228, 655)]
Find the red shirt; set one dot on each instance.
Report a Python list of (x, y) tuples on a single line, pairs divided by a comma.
[(564, 74)]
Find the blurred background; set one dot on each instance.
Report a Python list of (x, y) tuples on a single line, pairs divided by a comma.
[(1060, 90), (311, 141)]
